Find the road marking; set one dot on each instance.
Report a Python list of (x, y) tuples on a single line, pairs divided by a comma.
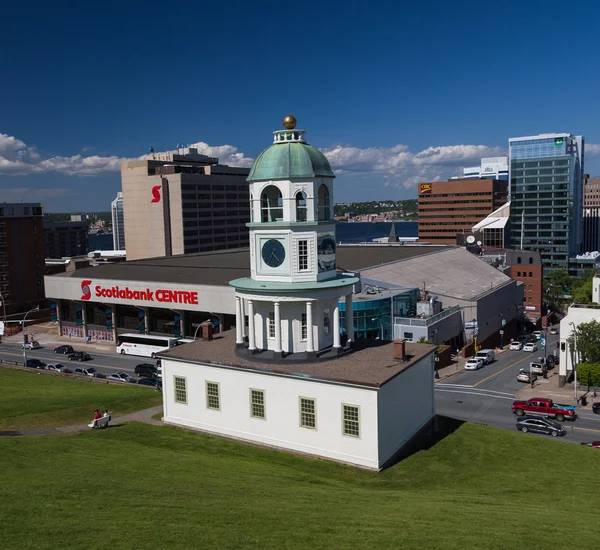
[(455, 385), (461, 387), (477, 394), (500, 371), (586, 429)]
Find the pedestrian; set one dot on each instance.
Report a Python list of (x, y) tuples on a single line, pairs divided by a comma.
[(97, 414), (106, 413)]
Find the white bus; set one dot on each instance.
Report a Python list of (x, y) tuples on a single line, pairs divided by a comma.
[(144, 345)]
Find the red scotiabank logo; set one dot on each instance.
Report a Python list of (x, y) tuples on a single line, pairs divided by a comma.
[(156, 193), (86, 291)]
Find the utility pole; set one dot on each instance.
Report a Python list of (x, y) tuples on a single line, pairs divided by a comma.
[(574, 359)]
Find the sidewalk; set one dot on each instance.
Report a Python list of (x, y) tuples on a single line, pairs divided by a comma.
[(138, 416), (549, 388)]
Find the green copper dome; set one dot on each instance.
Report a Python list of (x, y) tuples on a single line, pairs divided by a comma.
[(290, 157)]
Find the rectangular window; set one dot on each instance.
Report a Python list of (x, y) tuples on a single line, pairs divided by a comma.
[(530, 274), (408, 336), (518, 273), (308, 415), (530, 288), (180, 386), (303, 255), (304, 329), (326, 321), (351, 423), (212, 396), (271, 324), (257, 403), (529, 299)]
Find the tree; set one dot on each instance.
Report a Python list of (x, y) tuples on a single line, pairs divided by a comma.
[(588, 342), (557, 285), (582, 288)]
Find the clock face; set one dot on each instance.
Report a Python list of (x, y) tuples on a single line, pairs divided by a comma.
[(273, 253)]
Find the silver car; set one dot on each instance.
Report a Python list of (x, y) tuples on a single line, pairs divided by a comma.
[(121, 377)]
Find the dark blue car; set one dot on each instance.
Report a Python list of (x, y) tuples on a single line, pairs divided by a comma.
[(36, 364)]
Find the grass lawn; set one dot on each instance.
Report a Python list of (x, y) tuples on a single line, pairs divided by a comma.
[(159, 487), (35, 400)]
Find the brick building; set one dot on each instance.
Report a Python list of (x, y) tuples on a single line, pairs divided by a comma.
[(447, 208), (21, 256)]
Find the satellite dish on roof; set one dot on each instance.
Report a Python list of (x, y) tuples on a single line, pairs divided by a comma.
[(470, 239)]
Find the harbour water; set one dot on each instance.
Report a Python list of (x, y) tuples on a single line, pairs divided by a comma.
[(345, 233)]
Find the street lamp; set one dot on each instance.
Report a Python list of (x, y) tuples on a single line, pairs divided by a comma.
[(36, 308), (574, 359)]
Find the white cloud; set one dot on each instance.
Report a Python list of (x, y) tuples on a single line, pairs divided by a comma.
[(400, 166), (592, 149), (17, 158)]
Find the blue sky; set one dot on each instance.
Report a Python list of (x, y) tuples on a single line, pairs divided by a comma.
[(394, 93)]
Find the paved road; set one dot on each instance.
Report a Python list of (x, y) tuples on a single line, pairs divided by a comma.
[(486, 395), (105, 361)]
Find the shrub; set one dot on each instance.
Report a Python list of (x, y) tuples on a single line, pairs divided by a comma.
[(588, 374)]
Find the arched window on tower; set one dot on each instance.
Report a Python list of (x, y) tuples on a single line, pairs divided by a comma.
[(324, 206), (271, 204), (300, 206)]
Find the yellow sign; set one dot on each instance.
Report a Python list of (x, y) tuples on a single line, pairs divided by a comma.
[(424, 188)]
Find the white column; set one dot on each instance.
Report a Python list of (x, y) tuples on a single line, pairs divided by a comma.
[(349, 318), (243, 310), (251, 333), (277, 328), (239, 339), (336, 325), (310, 345)]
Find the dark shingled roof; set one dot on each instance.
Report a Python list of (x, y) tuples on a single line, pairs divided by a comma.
[(222, 266), (369, 366)]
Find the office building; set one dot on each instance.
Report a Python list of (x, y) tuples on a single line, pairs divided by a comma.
[(182, 203), (65, 239), (492, 167), (21, 256), (591, 191), (447, 208), (118, 223), (546, 186)]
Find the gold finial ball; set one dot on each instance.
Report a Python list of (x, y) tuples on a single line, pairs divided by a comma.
[(289, 122)]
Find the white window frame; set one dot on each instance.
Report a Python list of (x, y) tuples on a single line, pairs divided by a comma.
[(303, 255), (354, 422), (271, 325), (176, 389), (314, 413), (218, 396), (254, 391), (303, 327)]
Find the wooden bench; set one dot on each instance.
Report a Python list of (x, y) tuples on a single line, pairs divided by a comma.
[(101, 422)]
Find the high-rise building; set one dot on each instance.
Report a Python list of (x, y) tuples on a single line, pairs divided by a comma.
[(591, 191), (447, 208), (65, 239), (546, 186), (118, 223), (183, 202), (492, 167), (21, 256)]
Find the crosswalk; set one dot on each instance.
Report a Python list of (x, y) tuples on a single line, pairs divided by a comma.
[(466, 389)]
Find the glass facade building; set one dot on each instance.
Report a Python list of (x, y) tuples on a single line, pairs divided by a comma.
[(546, 187), (375, 318), (118, 223)]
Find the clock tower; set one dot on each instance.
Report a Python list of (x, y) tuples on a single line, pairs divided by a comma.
[(291, 298)]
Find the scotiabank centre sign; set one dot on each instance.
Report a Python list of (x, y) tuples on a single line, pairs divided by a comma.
[(146, 295)]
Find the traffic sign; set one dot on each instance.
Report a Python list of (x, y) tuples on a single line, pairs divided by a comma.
[(501, 333), (543, 343)]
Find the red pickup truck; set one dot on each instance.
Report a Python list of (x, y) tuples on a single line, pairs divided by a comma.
[(539, 406)]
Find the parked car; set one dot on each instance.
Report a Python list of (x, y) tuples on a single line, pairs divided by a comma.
[(530, 347), (540, 406), (65, 350), (553, 330), (596, 408), (36, 364), (540, 425), (474, 363), (121, 377), (66, 370), (536, 367), (154, 382), (57, 367), (145, 369), (516, 345), (79, 356), (86, 372), (487, 355), (592, 444), (526, 376), (32, 344), (537, 334)]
